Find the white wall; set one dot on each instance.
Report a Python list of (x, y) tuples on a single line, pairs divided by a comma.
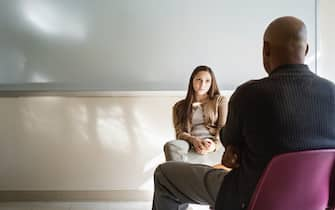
[(326, 61)]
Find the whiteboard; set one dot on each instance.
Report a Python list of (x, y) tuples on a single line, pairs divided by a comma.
[(137, 45)]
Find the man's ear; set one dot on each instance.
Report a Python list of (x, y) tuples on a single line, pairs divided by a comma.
[(266, 48), (307, 49), (266, 56)]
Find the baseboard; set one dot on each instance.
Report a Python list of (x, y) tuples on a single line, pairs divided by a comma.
[(113, 195)]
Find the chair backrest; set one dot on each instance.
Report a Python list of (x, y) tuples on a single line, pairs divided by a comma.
[(297, 181)]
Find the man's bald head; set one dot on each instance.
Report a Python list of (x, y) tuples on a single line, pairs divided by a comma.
[(285, 42)]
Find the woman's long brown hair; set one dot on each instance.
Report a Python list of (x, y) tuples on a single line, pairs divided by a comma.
[(184, 112)]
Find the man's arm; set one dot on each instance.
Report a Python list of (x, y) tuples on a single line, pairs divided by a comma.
[(231, 136)]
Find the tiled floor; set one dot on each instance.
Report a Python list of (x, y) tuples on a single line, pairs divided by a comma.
[(83, 206)]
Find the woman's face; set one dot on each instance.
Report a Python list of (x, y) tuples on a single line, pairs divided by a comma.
[(202, 82)]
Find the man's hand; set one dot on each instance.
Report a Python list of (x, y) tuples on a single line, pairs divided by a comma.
[(230, 157)]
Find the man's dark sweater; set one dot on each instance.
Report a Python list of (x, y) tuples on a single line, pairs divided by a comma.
[(292, 109)]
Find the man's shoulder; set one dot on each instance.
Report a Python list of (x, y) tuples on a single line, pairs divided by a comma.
[(325, 81), (250, 89), (251, 85)]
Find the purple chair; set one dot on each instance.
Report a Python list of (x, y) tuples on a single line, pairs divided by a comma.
[(302, 180)]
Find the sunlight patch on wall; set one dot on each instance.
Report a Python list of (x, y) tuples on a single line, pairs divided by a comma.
[(112, 130), (153, 163), (40, 117), (148, 127), (80, 117), (52, 20), (37, 77)]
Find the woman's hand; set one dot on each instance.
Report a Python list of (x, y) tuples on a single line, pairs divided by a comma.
[(209, 145), (203, 146), (198, 145)]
